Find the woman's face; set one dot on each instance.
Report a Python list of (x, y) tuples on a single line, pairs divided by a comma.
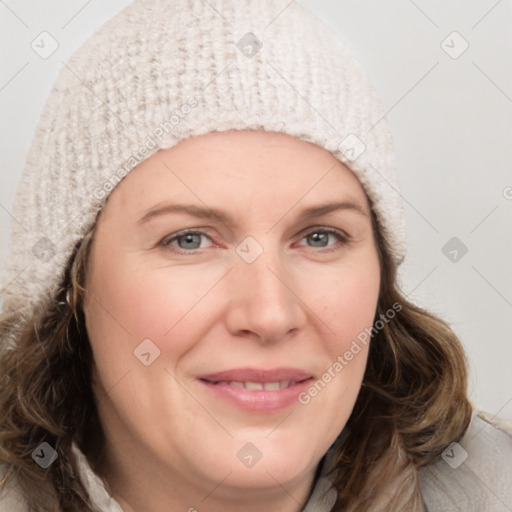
[(207, 344)]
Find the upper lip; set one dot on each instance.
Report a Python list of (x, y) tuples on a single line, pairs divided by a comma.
[(258, 375)]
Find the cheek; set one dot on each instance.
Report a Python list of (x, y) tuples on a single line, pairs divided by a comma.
[(347, 303), (129, 304)]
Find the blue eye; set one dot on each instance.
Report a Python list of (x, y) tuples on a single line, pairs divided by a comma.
[(188, 240), (320, 237)]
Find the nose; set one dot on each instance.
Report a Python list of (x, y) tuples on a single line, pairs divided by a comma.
[(264, 303)]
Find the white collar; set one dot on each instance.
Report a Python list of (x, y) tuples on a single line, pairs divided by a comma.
[(94, 484)]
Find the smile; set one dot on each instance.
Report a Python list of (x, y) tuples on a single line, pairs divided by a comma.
[(257, 390), (267, 386)]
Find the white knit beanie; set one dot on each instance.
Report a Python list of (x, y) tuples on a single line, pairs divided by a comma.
[(164, 70)]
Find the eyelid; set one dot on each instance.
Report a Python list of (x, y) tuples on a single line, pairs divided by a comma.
[(335, 231), (165, 242), (343, 237)]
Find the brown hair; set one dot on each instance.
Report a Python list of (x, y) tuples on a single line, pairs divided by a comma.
[(412, 403)]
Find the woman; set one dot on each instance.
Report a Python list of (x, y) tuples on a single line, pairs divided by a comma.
[(202, 311)]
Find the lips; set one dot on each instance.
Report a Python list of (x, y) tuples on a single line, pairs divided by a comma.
[(257, 390), (267, 386), (258, 375)]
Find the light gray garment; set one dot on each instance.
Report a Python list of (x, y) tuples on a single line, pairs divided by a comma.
[(481, 482)]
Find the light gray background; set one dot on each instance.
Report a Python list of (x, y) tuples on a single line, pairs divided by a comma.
[(452, 124)]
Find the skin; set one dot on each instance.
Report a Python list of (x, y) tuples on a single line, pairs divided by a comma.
[(170, 443)]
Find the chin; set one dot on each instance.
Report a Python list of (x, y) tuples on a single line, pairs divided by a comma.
[(275, 474), (264, 463)]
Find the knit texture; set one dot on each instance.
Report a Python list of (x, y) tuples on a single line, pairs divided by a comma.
[(164, 70)]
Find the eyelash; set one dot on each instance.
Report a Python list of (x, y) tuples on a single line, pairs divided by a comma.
[(342, 237)]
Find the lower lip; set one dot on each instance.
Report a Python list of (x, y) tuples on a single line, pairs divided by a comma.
[(258, 400)]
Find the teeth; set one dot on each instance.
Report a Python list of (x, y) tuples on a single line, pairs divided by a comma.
[(258, 386), (253, 385)]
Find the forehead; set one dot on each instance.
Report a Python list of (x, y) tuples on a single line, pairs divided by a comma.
[(251, 170)]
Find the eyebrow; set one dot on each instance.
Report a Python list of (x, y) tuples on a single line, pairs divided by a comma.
[(224, 217)]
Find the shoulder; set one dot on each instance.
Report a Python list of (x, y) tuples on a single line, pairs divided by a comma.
[(13, 500), (11, 497), (475, 473)]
